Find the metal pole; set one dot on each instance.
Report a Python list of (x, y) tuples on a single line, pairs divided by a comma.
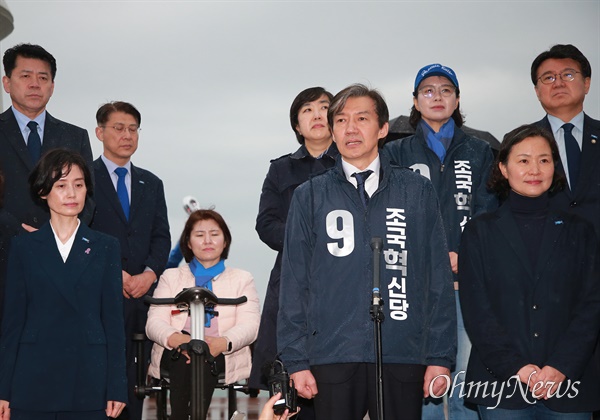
[(377, 316), (197, 402)]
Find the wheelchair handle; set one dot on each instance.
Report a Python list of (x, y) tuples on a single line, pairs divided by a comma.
[(232, 301), (159, 301), (195, 294)]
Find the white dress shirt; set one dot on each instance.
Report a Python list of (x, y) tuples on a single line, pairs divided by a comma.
[(372, 182), (559, 135)]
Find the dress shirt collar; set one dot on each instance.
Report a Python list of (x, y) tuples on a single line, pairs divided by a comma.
[(372, 182), (556, 124), (111, 166), (65, 248), (559, 135), (23, 120)]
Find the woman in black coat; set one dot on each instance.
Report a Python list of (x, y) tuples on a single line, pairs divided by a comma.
[(62, 349), (530, 293)]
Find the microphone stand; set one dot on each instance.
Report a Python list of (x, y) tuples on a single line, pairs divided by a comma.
[(376, 311)]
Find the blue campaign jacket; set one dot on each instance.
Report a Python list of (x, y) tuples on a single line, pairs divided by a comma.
[(285, 174), (460, 181), (326, 280)]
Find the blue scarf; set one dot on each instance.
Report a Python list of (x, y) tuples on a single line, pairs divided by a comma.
[(204, 278), (439, 142)]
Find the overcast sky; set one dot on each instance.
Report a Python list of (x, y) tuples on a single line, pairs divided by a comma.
[(214, 80)]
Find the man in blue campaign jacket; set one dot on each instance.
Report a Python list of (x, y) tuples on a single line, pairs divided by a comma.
[(325, 331), (459, 167)]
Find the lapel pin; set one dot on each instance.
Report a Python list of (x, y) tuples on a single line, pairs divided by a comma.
[(558, 222), (141, 182), (87, 251), (594, 139), (85, 239)]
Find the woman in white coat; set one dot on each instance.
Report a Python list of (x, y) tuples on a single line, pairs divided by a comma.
[(205, 244)]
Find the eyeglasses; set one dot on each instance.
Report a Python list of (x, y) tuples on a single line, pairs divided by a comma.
[(120, 128), (565, 76), (430, 91)]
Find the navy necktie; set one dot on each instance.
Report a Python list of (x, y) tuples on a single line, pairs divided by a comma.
[(122, 190), (34, 142), (573, 155), (361, 177)]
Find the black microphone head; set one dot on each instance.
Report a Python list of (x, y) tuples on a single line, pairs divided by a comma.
[(376, 243)]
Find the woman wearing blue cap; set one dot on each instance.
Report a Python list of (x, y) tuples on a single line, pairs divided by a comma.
[(458, 166)]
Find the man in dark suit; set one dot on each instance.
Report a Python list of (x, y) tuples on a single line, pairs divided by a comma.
[(131, 207), (562, 77), (9, 227), (29, 80)]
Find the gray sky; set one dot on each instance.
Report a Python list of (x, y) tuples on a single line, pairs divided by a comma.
[(214, 80)]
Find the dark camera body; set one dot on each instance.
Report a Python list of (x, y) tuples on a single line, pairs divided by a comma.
[(279, 381)]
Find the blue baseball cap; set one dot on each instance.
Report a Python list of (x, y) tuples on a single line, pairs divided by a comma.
[(436, 70)]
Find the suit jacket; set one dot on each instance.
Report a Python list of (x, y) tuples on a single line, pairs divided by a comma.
[(16, 164), (145, 239), (238, 323), (9, 227), (63, 343), (585, 200), (516, 314)]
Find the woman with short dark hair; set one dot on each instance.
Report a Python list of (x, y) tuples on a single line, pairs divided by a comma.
[(530, 292), (204, 243), (63, 342)]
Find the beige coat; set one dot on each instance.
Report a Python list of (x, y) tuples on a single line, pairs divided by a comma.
[(238, 323)]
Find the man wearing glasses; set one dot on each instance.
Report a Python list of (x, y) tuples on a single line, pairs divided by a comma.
[(562, 77), (131, 207)]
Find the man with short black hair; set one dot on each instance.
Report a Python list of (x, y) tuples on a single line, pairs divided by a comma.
[(562, 77), (27, 130), (325, 332), (131, 207)]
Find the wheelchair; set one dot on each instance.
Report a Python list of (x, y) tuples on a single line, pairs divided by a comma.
[(196, 299)]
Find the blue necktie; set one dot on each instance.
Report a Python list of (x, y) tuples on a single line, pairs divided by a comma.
[(361, 177), (122, 190), (34, 142), (573, 155)]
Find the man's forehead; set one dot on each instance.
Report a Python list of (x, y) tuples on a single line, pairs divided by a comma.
[(558, 64), (29, 63), (121, 117), (358, 105)]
